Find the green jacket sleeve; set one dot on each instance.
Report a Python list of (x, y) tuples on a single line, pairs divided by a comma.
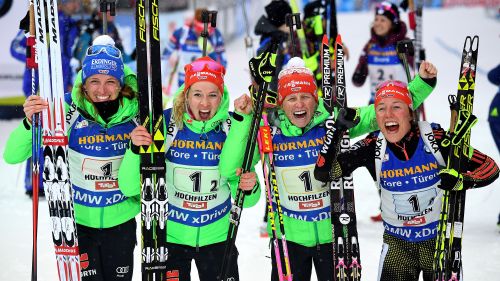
[(419, 90), (19, 143), (18, 146), (232, 154), (129, 177)]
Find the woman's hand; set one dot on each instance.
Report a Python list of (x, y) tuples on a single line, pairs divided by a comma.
[(247, 180), (34, 104), (243, 104), (427, 70), (140, 136)]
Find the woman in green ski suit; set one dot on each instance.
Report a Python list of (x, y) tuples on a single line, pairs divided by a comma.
[(199, 199), (99, 118), (299, 132)]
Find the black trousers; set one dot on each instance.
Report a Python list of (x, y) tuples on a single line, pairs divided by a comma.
[(107, 254), (301, 260), (208, 260), (402, 260)]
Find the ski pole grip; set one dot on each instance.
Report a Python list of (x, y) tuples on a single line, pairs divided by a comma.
[(32, 20), (205, 16), (411, 19), (293, 20), (31, 42), (452, 100), (112, 8), (293, 23), (405, 47), (213, 18)]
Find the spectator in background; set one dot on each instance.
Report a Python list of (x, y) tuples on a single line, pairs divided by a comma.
[(68, 30), (379, 59), (494, 118), (186, 45), (92, 28), (272, 26)]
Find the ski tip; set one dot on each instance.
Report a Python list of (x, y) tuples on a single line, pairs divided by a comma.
[(338, 40), (325, 39)]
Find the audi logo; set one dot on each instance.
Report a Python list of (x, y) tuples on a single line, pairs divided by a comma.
[(122, 269)]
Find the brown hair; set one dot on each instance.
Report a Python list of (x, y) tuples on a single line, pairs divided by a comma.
[(198, 12)]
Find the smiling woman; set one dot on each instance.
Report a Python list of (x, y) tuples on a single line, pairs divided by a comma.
[(100, 112), (199, 198), (298, 127)]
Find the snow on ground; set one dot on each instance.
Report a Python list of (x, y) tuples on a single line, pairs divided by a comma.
[(444, 33)]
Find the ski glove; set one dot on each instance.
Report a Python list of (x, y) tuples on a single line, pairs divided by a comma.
[(263, 66), (312, 62), (358, 78), (279, 36), (451, 180), (347, 118), (24, 23), (270, 101)]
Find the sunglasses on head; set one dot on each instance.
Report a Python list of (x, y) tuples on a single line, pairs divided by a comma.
[(391, 82), (199, 65), (108, 49)]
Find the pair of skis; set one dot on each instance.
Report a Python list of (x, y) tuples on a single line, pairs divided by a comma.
[(263, 69), (346, 254), (154, 198), (56, 181), (265, 141), (448, 255)]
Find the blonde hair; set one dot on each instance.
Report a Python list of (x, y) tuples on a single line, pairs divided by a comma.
[(179, 108)]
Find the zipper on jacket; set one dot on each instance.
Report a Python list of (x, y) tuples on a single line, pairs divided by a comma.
[(203, 135), (198, 240), (316, 235), (102, 218)]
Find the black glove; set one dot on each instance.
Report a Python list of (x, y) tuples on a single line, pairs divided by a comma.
[(133, 56), (451, 180), (358, 78), (263, 66), (347, 118), (404, 5), (278, 36), (24, 24)]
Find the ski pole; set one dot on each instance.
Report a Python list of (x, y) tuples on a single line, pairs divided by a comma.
[(405, 48), (105, 7), (207, 17), (293, 23), (36, 138), (171, 77), (248, 38)]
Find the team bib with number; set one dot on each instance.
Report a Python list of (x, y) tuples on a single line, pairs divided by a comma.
[(197, 193), (411, 200), (302, 196), (383, 65), (95, 155)]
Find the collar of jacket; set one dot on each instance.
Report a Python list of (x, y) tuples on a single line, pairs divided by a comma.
[(290, 130), (128, 107), (214, 123)]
